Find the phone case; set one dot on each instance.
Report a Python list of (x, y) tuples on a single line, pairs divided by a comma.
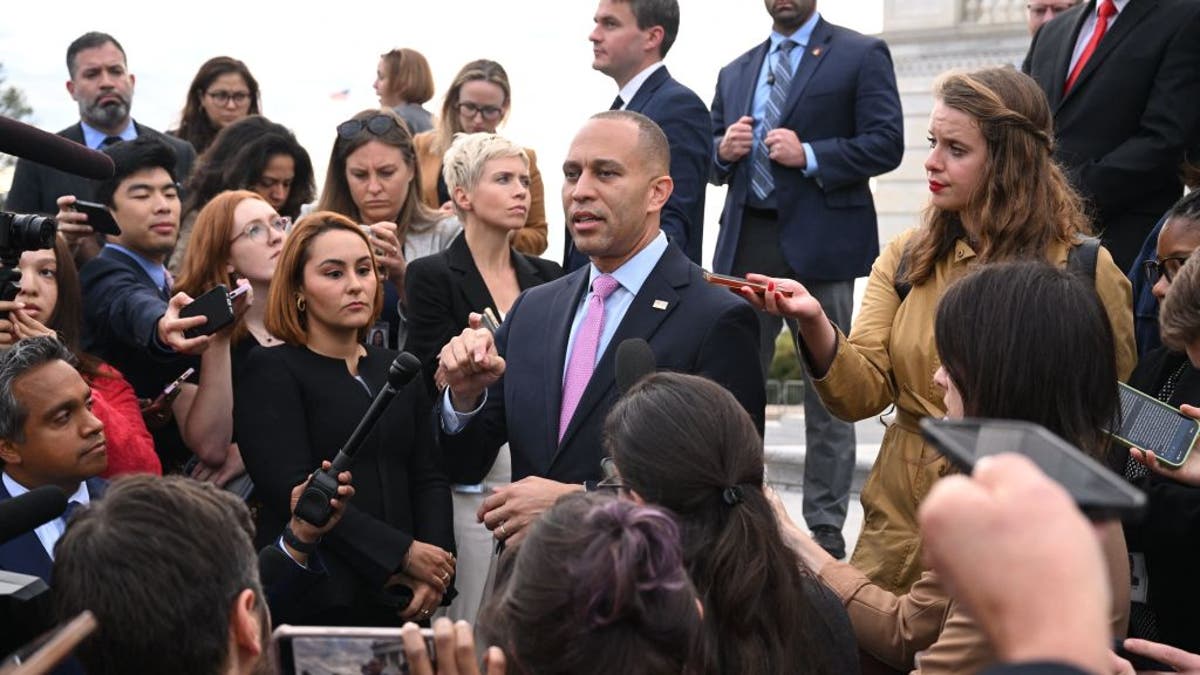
[(214, 305), (1149, 424), (99, 217)]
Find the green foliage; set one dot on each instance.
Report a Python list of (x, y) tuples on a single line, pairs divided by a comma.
[(14, 105), (786, 364)]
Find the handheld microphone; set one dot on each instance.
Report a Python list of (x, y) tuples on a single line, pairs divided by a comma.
[(30, 511), (27, 142), (313, 505), (635, 360)]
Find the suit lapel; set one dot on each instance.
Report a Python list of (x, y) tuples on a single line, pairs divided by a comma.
[(749, 68), (814, 55), (560, 318), (527, 275), (646, 91), (470, 282), (1066, 48), (641, 320), (1125, 24)]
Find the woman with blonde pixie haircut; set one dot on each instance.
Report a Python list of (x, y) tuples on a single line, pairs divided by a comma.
[(403, 81), (478, 101), (296, 404), (996, 194), (488, 178)]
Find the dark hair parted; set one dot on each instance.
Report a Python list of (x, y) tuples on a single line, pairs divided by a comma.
[(194, 125), (409, 77), (449, 124), (336, 195), (651, 13), (130, 157), (160, 561), (598, 586), (67, 317), (1025, 203), (1179, 315), (680, 441), (284, 319), (237, 158), (1004, 329), (89, 40), (22, 357), (652, 141)]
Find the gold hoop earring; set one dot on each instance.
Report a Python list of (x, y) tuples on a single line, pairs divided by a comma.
[(301, 305)]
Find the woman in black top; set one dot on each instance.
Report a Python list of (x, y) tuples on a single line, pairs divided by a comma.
[(390, 558)]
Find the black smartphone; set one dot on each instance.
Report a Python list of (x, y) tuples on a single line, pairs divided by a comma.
[(214, 305), (1099, 493), (1149, 424), (99, 217), (336, 649)]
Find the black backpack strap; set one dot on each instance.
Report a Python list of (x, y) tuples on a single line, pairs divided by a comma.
[(1081, 259), (902, 285)]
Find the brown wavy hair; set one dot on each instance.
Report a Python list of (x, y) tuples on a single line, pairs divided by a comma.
[(284, 320), (194, 125), (1025, 203), (480, 70), (206, 259)]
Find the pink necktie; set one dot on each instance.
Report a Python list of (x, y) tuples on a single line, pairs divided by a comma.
[(1107, 10), (583, 353)]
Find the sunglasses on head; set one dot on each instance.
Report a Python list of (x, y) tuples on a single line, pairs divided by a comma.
[(376, 124)]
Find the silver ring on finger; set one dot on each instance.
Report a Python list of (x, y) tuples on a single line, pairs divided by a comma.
[(503, 533)]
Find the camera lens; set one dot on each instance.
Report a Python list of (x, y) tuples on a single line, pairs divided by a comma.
[(32, 233)]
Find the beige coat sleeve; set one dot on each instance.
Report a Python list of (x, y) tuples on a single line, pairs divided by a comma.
[(1116, 294)]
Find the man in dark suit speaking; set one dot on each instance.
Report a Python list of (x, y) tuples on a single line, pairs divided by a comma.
[(1123, 81), (103, 87), (534, 385), (629, 42), (801, 123)]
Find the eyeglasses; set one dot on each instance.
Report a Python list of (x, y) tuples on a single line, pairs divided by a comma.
[(490, 112), (376, 124), (224, 97), (1167, 267), (257, 230), (612, 480), (1041, 10)]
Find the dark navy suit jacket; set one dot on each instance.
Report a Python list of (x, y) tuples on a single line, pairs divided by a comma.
[(25, 554), (36, 187), (685, 121), (692, 327), (844, 103)]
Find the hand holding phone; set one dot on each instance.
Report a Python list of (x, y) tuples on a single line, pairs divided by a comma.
[(215, 306), (737, 283), (1149, 424), (98, 217)]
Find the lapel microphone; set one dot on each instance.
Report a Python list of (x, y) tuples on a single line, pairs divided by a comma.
[(771, 79), (313, 505)]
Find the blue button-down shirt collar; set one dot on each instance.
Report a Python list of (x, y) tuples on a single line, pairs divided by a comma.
[(156, 271), (93, 137)]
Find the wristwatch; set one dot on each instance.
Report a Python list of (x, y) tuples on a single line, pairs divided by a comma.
[(292, 540)]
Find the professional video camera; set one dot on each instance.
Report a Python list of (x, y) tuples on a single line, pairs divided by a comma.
[(20, 233)]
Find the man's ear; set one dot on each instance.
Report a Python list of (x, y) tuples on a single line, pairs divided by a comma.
[(245, 625), (8, 452), (71, 88), (654, 39), (660, 191)]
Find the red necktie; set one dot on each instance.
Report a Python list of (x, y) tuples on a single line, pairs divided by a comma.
[(1106, 12)]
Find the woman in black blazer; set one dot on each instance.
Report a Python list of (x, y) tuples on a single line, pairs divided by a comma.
[(488, 179), (390, 558)]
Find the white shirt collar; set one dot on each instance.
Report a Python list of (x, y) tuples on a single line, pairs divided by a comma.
[(631, 87)]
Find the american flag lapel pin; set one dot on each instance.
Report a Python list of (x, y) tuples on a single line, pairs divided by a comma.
[(660, 304)]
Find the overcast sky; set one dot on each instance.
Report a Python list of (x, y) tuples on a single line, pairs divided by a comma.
[(301, 59)]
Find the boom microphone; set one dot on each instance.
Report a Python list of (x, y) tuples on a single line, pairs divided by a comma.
[(635, 360), (35, 145), (313, 505), (30, 511)]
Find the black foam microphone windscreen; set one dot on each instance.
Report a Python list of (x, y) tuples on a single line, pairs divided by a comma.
[(30, 511), (635, 360), (27, 142)]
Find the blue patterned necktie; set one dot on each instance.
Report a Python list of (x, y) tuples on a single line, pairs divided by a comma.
[(761, 180)]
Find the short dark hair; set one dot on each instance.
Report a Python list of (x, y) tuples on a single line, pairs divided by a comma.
[(651, 13), (684, 442), (159, 561), (598, 586), (130, 157), (651, 138), (89, 40), (1002, 328), (1187, 208), (22, 357)]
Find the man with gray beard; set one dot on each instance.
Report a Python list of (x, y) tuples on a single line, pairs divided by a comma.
[(103, 87)]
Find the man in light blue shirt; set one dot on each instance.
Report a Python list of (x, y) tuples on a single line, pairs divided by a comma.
[(546, 381)]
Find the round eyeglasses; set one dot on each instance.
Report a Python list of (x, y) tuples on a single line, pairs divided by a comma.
[(257, 230)]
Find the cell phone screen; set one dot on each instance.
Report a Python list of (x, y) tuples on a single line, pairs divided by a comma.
[(327, 649), (1150, 424), (1099, 493)]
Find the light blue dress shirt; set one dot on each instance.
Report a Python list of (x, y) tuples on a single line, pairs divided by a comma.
[(93, 137), (762, 90), (156, 271)]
